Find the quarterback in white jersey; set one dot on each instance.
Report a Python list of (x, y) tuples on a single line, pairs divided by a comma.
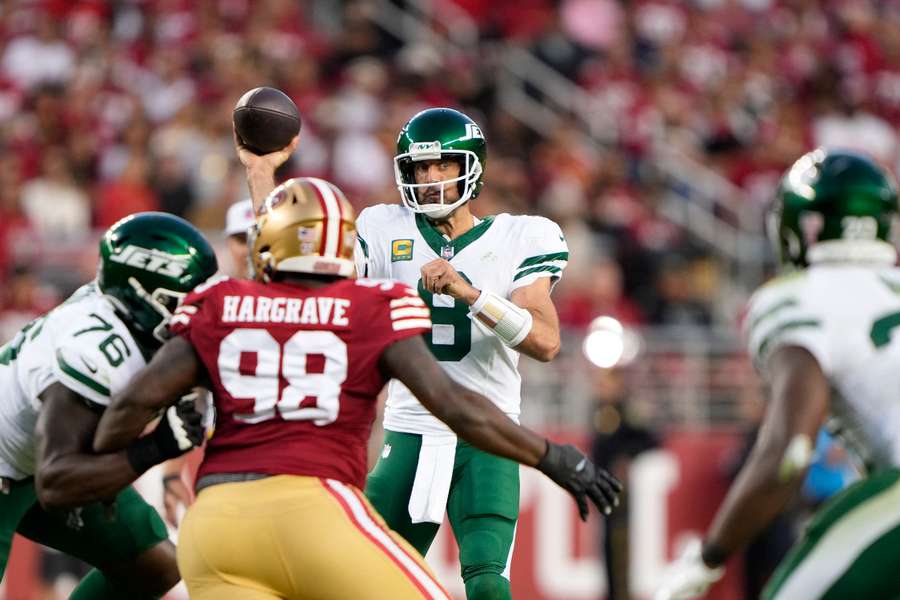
[(498, 255), (824, 337), (58, 375), (487, 284)]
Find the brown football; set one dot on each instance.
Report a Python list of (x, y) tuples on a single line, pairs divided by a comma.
[(266, 120)]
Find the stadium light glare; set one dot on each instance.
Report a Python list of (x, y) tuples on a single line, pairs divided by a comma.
[(604, 344), (608, 344)]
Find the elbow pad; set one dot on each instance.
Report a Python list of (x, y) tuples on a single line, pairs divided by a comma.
[(507, 321)]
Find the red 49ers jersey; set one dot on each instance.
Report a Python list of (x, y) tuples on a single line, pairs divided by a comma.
[(294, 370)]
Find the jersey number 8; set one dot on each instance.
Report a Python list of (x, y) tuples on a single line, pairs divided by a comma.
[(452, 318), (312, 363)]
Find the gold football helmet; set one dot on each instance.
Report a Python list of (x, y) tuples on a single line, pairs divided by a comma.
[(306, 225)]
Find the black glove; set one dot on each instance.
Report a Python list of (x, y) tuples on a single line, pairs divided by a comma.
[(572, 471), (179, 430)]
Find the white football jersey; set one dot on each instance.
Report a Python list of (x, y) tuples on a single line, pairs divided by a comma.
[(500, 254), (81, 344), (845, 316)]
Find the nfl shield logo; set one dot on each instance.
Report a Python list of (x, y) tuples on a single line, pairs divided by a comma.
[(447, 252), (307, 237)]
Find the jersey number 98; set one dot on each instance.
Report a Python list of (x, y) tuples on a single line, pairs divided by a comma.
[(313, 363)]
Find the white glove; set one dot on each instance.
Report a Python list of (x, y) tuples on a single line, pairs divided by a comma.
[(688, 577)]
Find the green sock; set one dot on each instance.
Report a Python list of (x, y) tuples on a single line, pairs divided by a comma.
[(96, 586)]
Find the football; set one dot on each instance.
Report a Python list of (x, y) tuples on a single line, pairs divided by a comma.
[(265, 120)]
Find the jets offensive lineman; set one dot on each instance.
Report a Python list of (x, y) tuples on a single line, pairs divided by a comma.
[(58, 374)]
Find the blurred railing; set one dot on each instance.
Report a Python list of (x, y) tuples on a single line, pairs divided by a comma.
[(681, 378), (698, 199)]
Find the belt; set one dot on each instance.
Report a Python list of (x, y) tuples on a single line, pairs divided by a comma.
[(217, 478)]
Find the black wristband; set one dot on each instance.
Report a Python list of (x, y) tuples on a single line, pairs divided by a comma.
[(143, 453), (713, 555)]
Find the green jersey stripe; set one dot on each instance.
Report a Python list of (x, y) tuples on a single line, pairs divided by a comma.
[(81, 377), (771, 311), (840, 509), (363, 245), (787, 326), (543, 258), (873, 574), (527, 272)]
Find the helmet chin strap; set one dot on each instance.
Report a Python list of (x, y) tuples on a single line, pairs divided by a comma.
[(440, 212)]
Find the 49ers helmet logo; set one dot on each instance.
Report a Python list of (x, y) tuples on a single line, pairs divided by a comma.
[(154, 261)]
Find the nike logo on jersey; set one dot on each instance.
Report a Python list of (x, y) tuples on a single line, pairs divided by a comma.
[(580, 466), (90, 366)]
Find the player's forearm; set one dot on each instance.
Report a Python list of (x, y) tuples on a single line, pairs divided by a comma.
[(754, 500), (477, 420), (261, 181), (173, 372), (542, 342), (122, 423), (79, 479)]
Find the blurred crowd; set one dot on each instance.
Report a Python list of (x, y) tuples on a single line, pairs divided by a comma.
[(111, 107), (108, 107)]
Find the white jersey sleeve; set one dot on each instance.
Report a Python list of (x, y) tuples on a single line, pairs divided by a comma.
[(783, 313), (368, 254), (542, 252), (94, 355)]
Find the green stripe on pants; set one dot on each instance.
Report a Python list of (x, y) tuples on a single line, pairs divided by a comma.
[(850, 549)]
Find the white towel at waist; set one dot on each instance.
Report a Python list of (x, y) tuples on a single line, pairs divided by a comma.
[(434, 471)]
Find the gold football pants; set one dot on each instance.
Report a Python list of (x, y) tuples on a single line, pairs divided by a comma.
[(298, 538)]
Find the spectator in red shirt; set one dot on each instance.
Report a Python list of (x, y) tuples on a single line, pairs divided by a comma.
[(127, 194)]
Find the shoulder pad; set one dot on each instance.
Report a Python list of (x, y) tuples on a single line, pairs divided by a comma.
[(95, 356), (781, 311)]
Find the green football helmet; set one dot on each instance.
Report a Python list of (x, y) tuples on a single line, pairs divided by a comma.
[(834, 205), (148, 263), (433, 134)]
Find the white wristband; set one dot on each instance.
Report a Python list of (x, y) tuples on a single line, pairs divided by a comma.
[(507, 321)]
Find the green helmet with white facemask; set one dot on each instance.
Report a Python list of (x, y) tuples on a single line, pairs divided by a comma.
[(834, 205), (434, 134), (148, 263)]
